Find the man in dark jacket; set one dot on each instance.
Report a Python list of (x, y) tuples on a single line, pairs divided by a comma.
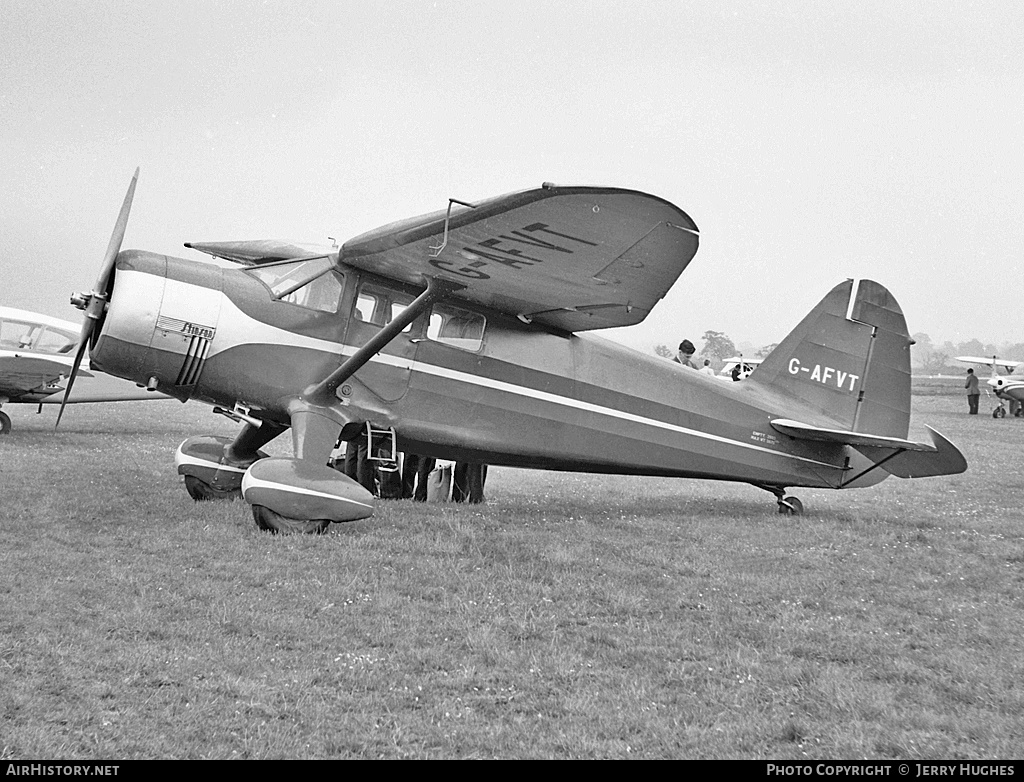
[(973, 395)]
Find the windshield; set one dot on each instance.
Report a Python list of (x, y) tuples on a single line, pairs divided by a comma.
[(312, 284)]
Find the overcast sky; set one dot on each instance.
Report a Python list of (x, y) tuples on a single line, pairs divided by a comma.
[(809, 141)]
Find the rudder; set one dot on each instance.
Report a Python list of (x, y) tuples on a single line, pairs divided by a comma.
[(848, 360)]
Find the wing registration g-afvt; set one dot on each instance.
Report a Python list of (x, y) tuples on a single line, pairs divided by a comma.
[(574, 258)]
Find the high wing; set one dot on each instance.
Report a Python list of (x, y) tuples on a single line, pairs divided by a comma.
[(22, 375), (258, 251), (991, 361), (574, 258)]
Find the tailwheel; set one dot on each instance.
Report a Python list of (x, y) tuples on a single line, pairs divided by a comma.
[(791, 506), (201, 491), (269, 521), (5, 423)]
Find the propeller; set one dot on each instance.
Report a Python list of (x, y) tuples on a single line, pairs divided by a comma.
[(95, 302)]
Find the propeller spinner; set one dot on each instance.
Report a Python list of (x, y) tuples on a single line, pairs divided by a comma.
[(94, 303)]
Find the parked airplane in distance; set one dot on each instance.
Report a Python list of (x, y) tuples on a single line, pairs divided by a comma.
[(462, 335), (746, 365), (1008, 387), (36, 357)]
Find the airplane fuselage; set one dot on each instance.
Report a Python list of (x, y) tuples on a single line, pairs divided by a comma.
[(1008, 387), (512, 393)]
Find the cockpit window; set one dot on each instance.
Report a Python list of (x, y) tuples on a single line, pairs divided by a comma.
[(456, 327), (313, 284), (15, 334), (53, 341), (19, 335)]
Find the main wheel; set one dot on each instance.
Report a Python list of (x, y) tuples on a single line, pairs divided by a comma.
[(269, 521), (201, 491), (5, 423), (791, 506)]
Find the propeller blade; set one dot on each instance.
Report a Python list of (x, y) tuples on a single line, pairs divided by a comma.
[(96, 301), (83, 345), (116, 237)]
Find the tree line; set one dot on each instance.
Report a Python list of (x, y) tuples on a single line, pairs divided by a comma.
[(933, 359)]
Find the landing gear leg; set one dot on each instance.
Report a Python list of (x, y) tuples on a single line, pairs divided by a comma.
[(245, 448), (5, 423)]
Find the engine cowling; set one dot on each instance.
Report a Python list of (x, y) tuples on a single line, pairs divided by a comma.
[(161, 321)]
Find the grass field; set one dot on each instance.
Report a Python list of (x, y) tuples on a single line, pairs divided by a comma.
[(572, 616)]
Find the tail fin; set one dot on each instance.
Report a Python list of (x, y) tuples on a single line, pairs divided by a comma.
[(848, 360)]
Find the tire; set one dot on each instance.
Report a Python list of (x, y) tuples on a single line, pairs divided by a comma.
[(5, 423), (269, 521), (202, 492), (791, 506), (999, 412)]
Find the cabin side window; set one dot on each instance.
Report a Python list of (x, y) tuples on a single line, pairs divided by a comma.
[(456, 327), (379, 305), (313, 284)]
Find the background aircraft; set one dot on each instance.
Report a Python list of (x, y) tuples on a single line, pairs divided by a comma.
[(1008, 387), (461, 335), (746, 365), (36, 355)]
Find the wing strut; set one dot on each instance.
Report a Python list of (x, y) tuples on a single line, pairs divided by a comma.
[(323, 392)]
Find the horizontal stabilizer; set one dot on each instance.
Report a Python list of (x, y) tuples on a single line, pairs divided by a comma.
[(897, 456), (807, 432), (259, 251)]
